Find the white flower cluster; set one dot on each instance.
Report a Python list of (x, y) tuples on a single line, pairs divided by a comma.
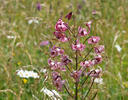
[(27, 74), (54, 95)]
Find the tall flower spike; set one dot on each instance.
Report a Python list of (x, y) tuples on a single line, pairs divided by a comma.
[(61, 26), (93, 40)]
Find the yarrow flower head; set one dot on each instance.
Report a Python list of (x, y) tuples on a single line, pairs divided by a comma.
[(93, 40), (27, 74), (78, 46)]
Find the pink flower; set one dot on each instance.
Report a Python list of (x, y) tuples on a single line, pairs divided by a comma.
[(57, 81), (78, 46), (68, 16), (95, 73), (44, 43), (65, 60), (99, 49), (93, 40), (61, 26), (55, 51), (61, 36), (82, 31), (38, 6), (97, 59), (94, 12), (54, 65), (86, 64), (76, 75), (88, 24)]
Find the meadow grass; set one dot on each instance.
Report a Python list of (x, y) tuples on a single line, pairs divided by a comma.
[(23, 51)]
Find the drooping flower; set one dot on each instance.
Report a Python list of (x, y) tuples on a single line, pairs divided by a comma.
[(68, 16), (88, 24), (86, 64), (95, 73), (27, 74), (82, 31), (55, 51), (61, 36), (65, 60), (78, 46), (99, 49), (76, 75), (93, 40), (61, 26), (38, 6), (54, 65), (97, 59), (57, 81), (44, 43)]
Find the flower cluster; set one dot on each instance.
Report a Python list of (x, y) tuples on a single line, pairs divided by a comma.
[(27, 74)]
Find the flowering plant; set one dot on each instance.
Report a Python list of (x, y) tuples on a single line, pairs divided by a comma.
[(74, 62)]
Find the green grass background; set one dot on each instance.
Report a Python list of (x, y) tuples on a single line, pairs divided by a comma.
[(109, 22)]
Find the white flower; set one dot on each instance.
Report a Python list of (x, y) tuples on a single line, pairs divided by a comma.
[(43, 70), (56, 93), (98, 80), (27, 74), (52, 94), (10, 37), (33, 21), (118, 48)]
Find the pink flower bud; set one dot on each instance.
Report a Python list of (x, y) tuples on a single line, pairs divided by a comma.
[(68, 16)]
